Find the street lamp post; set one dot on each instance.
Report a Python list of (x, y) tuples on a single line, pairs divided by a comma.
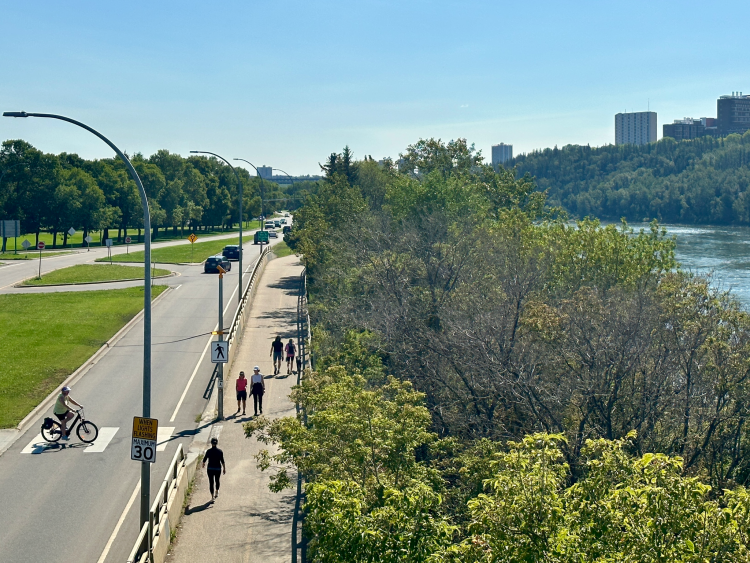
[(239, 186), (145, 466), (261, 188)]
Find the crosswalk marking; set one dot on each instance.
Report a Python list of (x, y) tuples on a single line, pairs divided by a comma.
[(163, 435), (38, 445), (102, 440)]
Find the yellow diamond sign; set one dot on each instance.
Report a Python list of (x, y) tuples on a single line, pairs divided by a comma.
[(192, 238)]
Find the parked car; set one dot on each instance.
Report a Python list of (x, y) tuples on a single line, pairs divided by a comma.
[(270, 225), (277, 224), (286, 229), (273, 234), (213, 262), (231, 252)]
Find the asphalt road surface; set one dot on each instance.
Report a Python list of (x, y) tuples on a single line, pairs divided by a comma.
[(62, 503)]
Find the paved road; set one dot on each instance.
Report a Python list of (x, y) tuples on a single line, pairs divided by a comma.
[(62, 504)]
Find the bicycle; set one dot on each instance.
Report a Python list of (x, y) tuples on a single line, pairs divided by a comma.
[(87, 431)]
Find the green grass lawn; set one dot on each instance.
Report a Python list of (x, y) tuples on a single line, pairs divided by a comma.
[(281, 250), (83, 273), (30, 255), (47, 336), (182, 253)]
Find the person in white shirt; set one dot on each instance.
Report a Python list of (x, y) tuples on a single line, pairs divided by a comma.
[(257, 388)]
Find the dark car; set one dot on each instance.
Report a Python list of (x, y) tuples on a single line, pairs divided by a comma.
[(231, 252), (286, 229), (213, 262)]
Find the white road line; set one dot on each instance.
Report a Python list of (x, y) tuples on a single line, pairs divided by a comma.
[(163, 435), (111, 540), (37, 445), (200, 360), (102, 441)]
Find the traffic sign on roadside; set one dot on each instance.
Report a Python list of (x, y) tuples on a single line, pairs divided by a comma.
[(71, 231), (143, 444), (26, 244), (40, 245), (127, 240), (88, 239), (220, 352), (192, 238), (108, 242)]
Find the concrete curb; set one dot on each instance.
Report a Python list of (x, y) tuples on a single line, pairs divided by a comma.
[(75, 376), (22, 286)]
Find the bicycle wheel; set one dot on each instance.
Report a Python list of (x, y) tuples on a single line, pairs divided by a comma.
[(87, 431), (52, 434)]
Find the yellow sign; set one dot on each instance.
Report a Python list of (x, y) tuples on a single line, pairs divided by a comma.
[(145, 428), (192, 238)]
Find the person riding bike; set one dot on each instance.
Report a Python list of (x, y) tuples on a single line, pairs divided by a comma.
[(63, 411)]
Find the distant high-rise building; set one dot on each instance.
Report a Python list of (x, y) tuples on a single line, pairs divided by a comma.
[(501, 154), (687, 128), (638, 128), (733, 114), (265, 172)]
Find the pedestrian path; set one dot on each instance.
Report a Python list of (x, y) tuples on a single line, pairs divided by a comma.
[(247, 523)]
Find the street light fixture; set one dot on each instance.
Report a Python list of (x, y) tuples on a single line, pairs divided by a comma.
[(239, 186), (261, 188), (145, 466)]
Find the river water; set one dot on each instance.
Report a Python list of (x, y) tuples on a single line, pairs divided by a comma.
[(723, 251)]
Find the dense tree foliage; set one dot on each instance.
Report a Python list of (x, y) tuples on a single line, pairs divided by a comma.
[(705, 180), (57, 192), (497, 384)]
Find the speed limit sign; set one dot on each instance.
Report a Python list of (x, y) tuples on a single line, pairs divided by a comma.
[(143, 446)]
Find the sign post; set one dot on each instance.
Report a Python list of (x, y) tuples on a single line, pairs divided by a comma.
[(40, 246), (71, 232), (108, 242), (88, 240), (143, 444), (220, 349), (192, 238), (10, 228), (127, 244)]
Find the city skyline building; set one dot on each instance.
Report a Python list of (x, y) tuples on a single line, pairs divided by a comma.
[(501, 154), (265, 172), (733, 114), (636, 128)]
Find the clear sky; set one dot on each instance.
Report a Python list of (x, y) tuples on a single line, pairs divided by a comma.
[(285, 83)]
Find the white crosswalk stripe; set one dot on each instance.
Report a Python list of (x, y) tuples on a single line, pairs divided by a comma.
[(38, 445), (102, 440), (163, 435)]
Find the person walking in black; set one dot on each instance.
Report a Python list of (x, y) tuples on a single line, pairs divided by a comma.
[(277, 351), (216, 466), (257, 388)]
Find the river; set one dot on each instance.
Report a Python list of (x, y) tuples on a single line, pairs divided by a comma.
[(725, 251)]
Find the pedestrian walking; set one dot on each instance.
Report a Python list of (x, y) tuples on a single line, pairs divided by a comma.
[(241, 388), (216, 466), (277, 351), (257, 388), (291, 350)]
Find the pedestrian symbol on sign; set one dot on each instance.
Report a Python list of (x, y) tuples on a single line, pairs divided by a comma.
[(219, 352)]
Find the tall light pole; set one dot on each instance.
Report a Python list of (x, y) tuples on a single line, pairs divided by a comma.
[(261, 187), (239, 186), (145, 466)]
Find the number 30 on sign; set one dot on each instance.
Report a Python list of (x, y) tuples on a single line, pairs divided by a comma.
[(143, 446)]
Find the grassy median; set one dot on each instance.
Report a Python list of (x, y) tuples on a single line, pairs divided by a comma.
[(47, 336), (180, 254), (90, 273), (33, 255)]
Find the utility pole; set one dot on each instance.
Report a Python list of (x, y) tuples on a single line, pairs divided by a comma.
[(221, 339)]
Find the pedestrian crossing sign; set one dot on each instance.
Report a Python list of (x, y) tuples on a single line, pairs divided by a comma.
[(220, 352)]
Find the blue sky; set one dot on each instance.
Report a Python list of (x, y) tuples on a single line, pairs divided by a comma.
[(285, 83)]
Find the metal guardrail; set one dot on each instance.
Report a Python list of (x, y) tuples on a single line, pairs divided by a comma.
[(142, 550), (150, 529)]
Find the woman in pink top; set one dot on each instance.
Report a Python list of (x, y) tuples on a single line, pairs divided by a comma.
[(241, 386)]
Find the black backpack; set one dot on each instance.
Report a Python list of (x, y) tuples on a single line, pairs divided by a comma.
[(47, 424)]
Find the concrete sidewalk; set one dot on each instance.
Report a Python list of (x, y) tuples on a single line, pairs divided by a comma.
[(247, 522)]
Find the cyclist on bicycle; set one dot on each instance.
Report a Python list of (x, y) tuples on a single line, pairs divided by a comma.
[(63, 411)]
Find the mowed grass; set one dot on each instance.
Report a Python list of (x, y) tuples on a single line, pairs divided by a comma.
[(181, 254), (88, 273), (30, 255), (47, 336), (281, 250)]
